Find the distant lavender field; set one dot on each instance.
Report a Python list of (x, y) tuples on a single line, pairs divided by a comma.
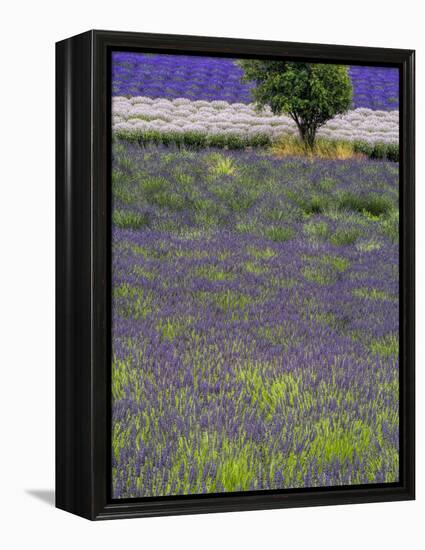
[(209, 78)]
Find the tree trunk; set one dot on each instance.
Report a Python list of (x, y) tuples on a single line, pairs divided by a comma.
[(308, 135)]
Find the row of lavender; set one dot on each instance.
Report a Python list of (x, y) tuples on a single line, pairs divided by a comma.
[(255, 322), (141, 114), (209, 78)]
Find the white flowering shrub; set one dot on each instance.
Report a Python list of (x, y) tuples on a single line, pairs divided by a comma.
[(219, 117)]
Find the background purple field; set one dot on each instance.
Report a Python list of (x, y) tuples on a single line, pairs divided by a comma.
[(209, 78)]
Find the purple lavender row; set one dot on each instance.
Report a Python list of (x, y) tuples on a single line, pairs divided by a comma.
[(211, 78)]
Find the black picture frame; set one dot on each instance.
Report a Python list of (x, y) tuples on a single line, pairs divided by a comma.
[(83, 140)]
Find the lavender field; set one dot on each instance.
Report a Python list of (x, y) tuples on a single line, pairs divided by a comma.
[(214, 78), (255, 322), (255, 305)]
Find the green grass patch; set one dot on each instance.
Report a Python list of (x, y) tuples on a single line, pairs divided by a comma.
[(388, 346), (338, 442), (315, 275), (267, 394), (324, 269), (133, 301), (279, 234), (261, 253), (326, 184), (152, 185), (283, 282), (247, 227), (169, 200), (390, 227), (125, 162), (255, 268), (375, 205), (183, 179), (121, 183), (316, 204), (120, 378), (170, 329), (128, 219), (220, 165), (230, 300), (142, 251), (336, 262), (368, 246), (344, 237), (157, 191), (316, 230), (143, 272), (232, 457), (372, 294)]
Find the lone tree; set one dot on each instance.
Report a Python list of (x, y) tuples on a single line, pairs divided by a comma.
[(310, 93)]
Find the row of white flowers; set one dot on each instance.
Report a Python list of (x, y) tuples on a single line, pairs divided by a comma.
[(219, 117)]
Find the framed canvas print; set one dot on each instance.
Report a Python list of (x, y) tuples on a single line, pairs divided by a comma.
[(235, 275)]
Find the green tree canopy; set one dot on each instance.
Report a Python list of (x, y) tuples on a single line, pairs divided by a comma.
[(310, 93)]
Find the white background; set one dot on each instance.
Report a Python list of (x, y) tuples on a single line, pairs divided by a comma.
[(28, 33)]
